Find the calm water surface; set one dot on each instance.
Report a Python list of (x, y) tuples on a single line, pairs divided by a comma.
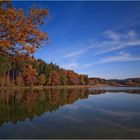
[(70, 113)]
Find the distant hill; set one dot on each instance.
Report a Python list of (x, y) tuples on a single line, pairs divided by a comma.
[(115, 82)]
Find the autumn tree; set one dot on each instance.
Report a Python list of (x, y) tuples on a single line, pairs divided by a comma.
[(41, 79), (19, 33), (29, 75), (82, 79), (54, 78), (63, 78), (72, 77)]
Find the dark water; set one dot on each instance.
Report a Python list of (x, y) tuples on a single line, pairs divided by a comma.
[(72, 113)]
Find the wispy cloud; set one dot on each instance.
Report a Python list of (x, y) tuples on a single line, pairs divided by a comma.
[(80, 48), (112, 35), (116, 41), (75, 53), (72, 65), (112, 41), (122, 57), (75, 66), (129, 21)]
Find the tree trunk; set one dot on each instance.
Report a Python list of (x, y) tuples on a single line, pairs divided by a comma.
[(3, 79)]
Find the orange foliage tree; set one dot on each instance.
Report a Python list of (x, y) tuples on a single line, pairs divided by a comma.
[(72, 77), (19, 33), (29, 75), (54, 78), (41, 79)]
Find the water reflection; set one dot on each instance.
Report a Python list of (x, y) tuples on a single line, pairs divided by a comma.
[(19, 105), (22, 104), (115, 114)]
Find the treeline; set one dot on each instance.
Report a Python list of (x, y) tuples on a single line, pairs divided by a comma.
[(33, 72), (126, 82), (95, 81), (115, 82), (28, 71)]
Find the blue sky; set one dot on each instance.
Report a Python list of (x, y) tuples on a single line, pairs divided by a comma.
[(101, 39)]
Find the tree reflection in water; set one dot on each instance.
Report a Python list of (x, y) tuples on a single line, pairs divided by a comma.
[(18, 105)]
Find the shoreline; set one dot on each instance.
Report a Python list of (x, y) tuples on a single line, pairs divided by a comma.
[(53, 87), (62, 87)]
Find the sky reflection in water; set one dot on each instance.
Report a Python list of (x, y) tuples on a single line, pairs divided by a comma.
[(72, 113)]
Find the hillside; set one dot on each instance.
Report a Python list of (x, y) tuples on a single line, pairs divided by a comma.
[(115, 82)]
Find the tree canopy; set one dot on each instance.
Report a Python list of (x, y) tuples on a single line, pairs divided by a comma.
[(19, 33)]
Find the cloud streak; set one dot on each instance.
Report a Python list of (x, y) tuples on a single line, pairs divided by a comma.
[(75, 65), (122, 57), (75, 53), (113, 41), (80, 48), (72, 65), (116, 41)]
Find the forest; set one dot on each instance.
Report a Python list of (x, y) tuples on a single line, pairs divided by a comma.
[(36, 72)]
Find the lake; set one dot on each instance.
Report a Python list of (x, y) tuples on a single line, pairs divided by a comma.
[(102, 112)]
